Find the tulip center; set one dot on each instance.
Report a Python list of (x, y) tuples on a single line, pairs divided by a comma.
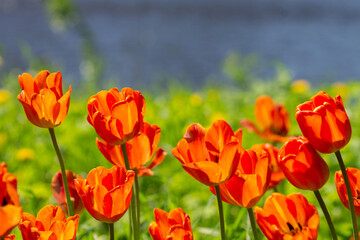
[(294, 231), (4, 202), (357, 196)]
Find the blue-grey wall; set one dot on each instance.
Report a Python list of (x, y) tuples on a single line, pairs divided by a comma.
[(144, 40)]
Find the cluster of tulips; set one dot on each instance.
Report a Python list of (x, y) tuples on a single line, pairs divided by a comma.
[(215, 157)]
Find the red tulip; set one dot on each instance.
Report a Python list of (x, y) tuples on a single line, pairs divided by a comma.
[(354, 179), (302, 165), (277, 174), (43, 100), (288, 217), (324, 122), (250, 181), (49, 224), (58, 191), (116, 116), (209, 156), (140, 150), (272, 118), (174, 225), (10, 210), (106, 193)]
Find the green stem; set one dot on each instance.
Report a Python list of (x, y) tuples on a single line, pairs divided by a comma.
[(132, 204), (221, 212), (137, 200), (350, 196), (111, 231), (253, 223), (130, 224), (326, 214), (63, 173)]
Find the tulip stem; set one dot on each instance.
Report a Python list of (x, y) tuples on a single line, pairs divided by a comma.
[(137, 200), (63, 173), (221, 212), (130, 222), (326, 214), (132, 204), (350, 196), (111, 231), (253, 223)]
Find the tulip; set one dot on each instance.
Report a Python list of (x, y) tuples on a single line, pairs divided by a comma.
[(10, 237), (302, 165), (49, 224), (277, 174), (324, 122), (354, 178), (106, 193), (116, 116), (58, 191), (212, 156), (140, 150), (8, 187), (250, 181), (173, 225), (43, 100), (272, 118), (288, 217), (10, 210)]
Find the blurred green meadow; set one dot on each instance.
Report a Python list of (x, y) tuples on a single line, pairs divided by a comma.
[(29, 153)]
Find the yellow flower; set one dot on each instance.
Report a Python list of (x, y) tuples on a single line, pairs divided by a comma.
[(3, 138), (300, 86), (24, 154), (217, 116), (340, 88), (196, 100), (4, 96)]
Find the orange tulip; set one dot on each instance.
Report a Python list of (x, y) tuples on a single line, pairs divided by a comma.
[(277, 174), (272, 118), (250, 181), (10, 210), (354, 179), (116, 116), (43, 100), (140, 149), (174, 225), (324, 122), (302, 165), (288, 217), (209, 156), (49, 224), (58, 191), (10, 237), (106, 193)]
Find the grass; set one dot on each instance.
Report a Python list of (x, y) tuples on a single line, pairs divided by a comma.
[(29, 154)]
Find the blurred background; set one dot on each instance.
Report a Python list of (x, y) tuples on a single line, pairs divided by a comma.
[(139, 42)]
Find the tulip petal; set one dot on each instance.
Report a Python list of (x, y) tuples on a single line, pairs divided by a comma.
[(208, 173), (10, 216), (217, 136)]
